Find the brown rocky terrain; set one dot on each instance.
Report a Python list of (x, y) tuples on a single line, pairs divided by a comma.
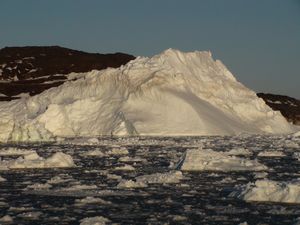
[(289, 107), (34, 69)]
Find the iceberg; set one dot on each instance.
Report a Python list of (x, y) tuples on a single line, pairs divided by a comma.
[(170, 94), (270, 191)]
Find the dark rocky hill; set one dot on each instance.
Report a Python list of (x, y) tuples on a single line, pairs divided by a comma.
[(289, 107), (35, 69)]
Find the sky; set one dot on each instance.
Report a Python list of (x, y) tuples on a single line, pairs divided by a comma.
[(258, 40)]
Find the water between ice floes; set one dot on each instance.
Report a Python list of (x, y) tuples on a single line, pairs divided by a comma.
[(92, 188)]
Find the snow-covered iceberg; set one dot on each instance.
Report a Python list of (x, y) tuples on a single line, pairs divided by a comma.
[(270, 191), (173, 93), (209, 160)]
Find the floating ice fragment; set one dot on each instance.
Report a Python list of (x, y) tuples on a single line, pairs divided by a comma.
[(118, 151), (131, 184), (11, 151), (239, 151), (98, 220), (96, 152), (6, 219), (156, 178), (270, 191), (297, 134), (271, 154), (33, 160), (202, 160), (159, 178), (125, 168), (91, 200)]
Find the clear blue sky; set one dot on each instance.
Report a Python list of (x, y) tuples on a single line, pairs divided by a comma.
[(259, 40)]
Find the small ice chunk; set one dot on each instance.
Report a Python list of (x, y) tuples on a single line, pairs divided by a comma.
[(38, 186), (113, 176), (6, 219), (98, 220), (96, 152), (271, 154), (91, 200), (31, 215), (125, 168), (118, 151), (172, 177), (131, 184), (59, 159), (129, 159), (243, 223), (296, 155), (239, 151), (297, 134), (162, 178), (80, 187), (93, 141), (260, 175), (2, 179), (203, 160), (32, 156)]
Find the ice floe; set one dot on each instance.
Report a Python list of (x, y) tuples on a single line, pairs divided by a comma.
[(6, 219), (156, 178), (96, 152), (239, 151), (270, 191), (297, 134), (125, 167), (91, 200), (98, 220), (12, 151), (33, 160), (203, 160), (271, 154)]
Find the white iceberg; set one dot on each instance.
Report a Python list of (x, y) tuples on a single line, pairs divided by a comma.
[(270, 191), (173, 93), (209, 160)]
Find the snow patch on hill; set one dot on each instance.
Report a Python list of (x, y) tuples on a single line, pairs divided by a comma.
[(173, 93)]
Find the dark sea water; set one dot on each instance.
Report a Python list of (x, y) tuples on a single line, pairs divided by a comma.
[(199, 198)]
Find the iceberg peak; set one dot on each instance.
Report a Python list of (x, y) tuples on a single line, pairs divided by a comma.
[(173, 93)]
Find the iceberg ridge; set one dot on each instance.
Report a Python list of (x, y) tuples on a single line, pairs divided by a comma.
[(173, 93)]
